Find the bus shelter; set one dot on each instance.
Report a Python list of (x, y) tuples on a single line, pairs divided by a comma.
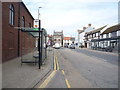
[(38, 54)]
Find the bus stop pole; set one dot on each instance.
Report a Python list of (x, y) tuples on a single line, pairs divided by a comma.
[(39, 46)]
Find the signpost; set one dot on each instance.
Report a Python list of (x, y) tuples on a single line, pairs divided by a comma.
[(36, 23)]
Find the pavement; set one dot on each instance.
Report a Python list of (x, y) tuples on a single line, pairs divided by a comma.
[(15, 75), (112, 53)]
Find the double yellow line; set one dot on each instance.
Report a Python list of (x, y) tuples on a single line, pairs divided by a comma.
[(56, 67)]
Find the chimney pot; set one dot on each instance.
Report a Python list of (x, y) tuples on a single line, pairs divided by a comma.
[(84, 28), (89, 25)]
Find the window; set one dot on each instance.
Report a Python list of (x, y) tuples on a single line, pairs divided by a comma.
[(23, 21), (54, 39), (58, 39), (107, 35), (11, 15), (113, 34), (30, 25)]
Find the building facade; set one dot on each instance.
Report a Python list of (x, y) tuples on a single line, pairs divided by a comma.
[(14, 41), (81, 35), (68, 40), (94, 34), (58, 38), (105, 38)]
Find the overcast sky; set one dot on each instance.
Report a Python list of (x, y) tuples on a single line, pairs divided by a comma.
[(71, 15)]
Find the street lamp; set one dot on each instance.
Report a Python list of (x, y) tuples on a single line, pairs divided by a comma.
[(38, 11)]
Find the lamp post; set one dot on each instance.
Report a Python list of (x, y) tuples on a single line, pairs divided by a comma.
[(40, 41), (39, 12)]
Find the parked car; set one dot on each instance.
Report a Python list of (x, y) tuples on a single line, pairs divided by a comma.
[(72, 46), (66, 45), (109, 49), (57, 46)]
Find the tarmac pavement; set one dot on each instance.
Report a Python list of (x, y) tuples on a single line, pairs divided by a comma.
[(15, 75)]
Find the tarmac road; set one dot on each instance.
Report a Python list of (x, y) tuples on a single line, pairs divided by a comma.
[(84, 69)]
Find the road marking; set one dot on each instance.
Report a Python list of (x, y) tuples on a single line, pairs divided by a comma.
[(63, 72), (68, 85), (58, 68), (45, 83), (55, 68)]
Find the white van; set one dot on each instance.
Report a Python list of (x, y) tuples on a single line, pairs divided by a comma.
[(57, 46)]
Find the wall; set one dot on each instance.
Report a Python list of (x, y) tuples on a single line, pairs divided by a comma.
[(15, 42), (9, 34)]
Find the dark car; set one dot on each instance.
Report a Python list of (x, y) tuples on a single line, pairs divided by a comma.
[(66, 45)]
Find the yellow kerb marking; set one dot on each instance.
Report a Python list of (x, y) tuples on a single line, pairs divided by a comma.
[(68, 85), (45, 83), (63, 72)]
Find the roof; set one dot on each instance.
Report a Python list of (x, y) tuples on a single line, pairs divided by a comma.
[(96, 30), (27, 9), (58, 33), (88, 29), (69, 38), (80, 31), (111, 29)]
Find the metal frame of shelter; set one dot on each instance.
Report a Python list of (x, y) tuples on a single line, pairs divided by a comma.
[(42, 34)]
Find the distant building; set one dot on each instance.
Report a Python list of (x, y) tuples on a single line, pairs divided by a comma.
[(94, 34), (58, 38), (81, 35), (14, 42), (104, 38), (68, 40)]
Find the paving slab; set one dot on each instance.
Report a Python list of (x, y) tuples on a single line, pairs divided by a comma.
[(15, 75)]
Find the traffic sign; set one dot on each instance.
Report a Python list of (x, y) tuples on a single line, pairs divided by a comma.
[(36, 23)]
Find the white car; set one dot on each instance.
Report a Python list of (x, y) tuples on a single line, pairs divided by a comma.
[(57, 46)]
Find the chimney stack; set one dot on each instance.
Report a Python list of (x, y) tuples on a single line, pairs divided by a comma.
[(89, 25), (84, 28)]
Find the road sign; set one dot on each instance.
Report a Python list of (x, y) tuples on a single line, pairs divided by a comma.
[(36, 23)]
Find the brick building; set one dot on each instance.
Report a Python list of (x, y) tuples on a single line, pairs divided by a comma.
[(14, 41)]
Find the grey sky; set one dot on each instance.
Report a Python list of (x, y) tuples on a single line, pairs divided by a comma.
[(71, 15)]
